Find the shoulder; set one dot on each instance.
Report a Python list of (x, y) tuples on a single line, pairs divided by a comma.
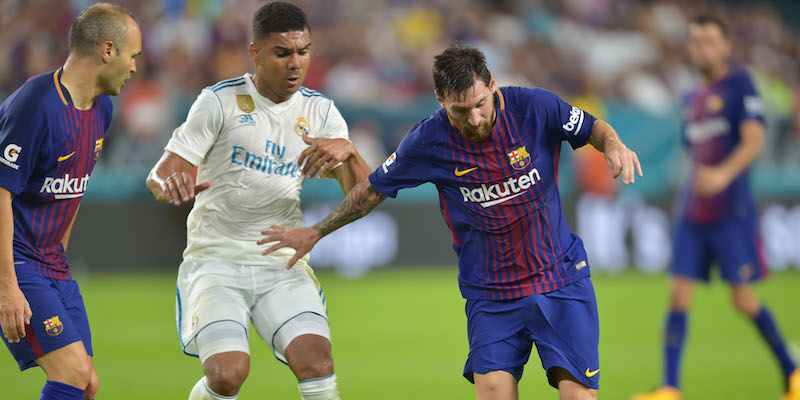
[(226, 84), (740, 77), (37, 96), (517, 97), (427, 133)]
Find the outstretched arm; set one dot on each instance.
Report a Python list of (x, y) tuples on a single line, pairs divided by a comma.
[(619, 158), (358, 203)]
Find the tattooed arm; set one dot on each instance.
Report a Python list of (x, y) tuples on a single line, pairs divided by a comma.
[(358, 203)]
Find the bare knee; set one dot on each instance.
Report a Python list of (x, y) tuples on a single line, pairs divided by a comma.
[(746, 300), (226, 372), (569, 388), (309, 357), (681, 294), (91, 389), (69, 364), (496, 385)]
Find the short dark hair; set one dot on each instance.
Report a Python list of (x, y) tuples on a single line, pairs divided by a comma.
[(95, 25), (456, 68), (708, 19), (278, 17)]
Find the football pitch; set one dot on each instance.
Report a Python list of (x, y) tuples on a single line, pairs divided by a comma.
[(401, 334)]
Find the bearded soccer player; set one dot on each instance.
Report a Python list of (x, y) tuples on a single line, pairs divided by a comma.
[(254, 140), (723, 132), (51, 134), (493, 155)]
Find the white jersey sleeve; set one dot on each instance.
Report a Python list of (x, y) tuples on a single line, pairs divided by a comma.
[(334, 126), (193, 139)]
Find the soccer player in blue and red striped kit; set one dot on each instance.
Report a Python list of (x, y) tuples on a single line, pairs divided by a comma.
[(492, 153), (51, 134), (723, 133)]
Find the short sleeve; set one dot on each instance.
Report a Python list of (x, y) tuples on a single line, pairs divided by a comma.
[(752, 105), (406, 168), (568, 122), (334, 126), (193, 139), (21, 138)]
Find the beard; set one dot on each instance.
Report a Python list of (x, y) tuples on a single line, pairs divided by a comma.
[(477, 133)]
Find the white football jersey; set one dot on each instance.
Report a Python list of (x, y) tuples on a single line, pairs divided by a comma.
[(247, 147)]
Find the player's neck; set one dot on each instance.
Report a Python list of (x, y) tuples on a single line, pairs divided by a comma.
[(716, 73), (81, 82), (265, 91)]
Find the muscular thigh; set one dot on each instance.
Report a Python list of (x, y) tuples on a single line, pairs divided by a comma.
[(293, 306)]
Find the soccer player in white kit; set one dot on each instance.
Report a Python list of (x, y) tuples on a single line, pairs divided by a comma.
[(254, 139)]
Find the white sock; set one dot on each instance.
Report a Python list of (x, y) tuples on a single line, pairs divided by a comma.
[(201, 391), (319, 388)]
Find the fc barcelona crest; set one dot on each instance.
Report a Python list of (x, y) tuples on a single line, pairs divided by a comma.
[(98, 145), (53, 326), (302, 127), (245, 103), (519, 158)]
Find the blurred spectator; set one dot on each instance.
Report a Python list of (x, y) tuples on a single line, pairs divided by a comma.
[(376, 56)]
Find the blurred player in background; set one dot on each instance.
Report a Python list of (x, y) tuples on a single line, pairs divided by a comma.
[(493, 155), (51, 134), (254, 140), (724, 133)]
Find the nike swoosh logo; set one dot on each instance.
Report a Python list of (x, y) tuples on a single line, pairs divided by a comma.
[(592, 373), (464, 172), (62, 158), (487, 204)]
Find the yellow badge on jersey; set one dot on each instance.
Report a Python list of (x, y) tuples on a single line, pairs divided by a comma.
[(98, 145), (302, 127), (519, 158), (53, 326), (245, 103), (715, 103)]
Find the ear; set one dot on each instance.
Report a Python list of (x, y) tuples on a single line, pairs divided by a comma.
[(438, 98), (492, 85), (109, 51), (253, 50)]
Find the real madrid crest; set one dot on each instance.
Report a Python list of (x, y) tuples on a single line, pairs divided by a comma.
[(302, 127), (245, 103)]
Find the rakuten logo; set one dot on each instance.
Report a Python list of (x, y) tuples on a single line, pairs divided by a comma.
[(498, 193), (575, 117), (66, 187)]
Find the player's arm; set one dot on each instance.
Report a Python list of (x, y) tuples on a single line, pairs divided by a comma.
[(65, 239), (358, 203), (337, 157), (15, 312), (170, 181), (710, 180), (619, 158)]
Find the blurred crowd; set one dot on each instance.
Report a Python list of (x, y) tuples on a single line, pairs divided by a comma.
[(376, 55)]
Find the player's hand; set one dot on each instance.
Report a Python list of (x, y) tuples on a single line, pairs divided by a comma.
[(323, 154), (709, 181), (302, 240), (180, 188), (623, 161), (15, 312)]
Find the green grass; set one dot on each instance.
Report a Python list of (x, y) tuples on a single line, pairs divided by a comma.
[(400, 334)]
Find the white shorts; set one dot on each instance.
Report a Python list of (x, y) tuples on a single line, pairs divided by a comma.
[(210, 291)]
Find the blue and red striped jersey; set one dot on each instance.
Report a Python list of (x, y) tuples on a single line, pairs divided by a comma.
[(49, 150), (500, 196), (714, 114)]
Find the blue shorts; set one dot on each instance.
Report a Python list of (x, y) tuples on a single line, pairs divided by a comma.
[(563, 324), (59, 317), (735, 245)]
